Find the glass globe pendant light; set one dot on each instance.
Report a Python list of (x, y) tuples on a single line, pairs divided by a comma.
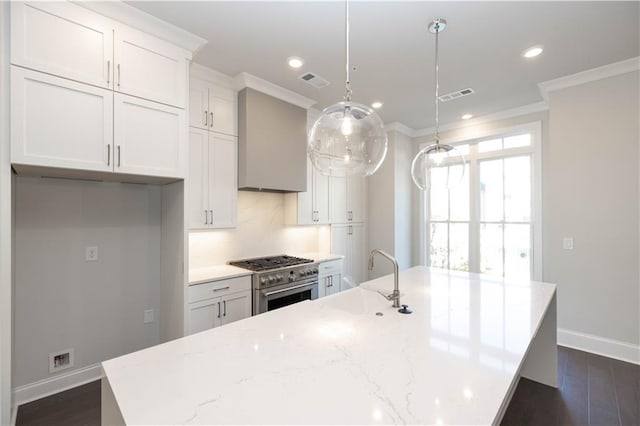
[(348, 139), (438, 155)]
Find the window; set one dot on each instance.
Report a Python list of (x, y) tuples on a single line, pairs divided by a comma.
[(489, 223)]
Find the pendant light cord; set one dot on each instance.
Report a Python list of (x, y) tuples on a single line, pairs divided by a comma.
[(437, 28), (347, 96)]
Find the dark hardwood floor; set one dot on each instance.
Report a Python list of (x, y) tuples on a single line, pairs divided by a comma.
[(593, 390)]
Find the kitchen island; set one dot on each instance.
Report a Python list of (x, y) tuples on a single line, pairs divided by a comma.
[(351, 358)]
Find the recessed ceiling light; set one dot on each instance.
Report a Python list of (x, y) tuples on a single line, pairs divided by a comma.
[(376, 104), (532, 52), (466, 116), (295, 62)]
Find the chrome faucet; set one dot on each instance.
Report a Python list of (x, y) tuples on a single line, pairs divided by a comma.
[(395, 296)]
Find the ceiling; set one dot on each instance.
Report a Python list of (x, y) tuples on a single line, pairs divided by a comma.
[(394, 54)]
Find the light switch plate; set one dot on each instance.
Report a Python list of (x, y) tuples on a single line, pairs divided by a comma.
[(148, 316), (567, 243)]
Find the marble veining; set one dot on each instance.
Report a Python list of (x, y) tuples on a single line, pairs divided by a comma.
[(334, 361)]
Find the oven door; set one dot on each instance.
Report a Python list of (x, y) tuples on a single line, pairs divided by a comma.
[(268, 299)]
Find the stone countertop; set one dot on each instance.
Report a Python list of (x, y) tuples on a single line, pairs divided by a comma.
[(213, 273), (334, 361)]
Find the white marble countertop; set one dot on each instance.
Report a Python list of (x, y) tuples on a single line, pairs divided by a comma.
[(334, 361), (213, 273), (320, 256)]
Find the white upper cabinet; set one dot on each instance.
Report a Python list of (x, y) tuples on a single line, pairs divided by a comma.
[(149, 138), (67, 40), (213, 194), (60, 123), (312, 206), (63, 39), (212, 107), (149, 68)]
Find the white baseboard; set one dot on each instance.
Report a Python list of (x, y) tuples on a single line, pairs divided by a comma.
[(59, 383), (599, 345), (14, 415)]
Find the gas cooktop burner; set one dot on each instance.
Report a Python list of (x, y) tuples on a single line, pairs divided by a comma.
[(267, 263)]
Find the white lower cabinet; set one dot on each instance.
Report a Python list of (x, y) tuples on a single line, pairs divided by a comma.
[(330, 277), (217, 303), (213, 194), (348, 240)]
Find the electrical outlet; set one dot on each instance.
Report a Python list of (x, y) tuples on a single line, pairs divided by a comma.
[(91, 254), (61, 360), (148, 316), (567, 243)]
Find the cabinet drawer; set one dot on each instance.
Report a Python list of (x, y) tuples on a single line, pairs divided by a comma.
[(331, 267), (218, 288)]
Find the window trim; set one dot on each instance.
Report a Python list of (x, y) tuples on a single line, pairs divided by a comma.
[(475, 135)]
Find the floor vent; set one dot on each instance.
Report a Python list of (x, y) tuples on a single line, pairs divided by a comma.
[(314, 80), (455, 95)]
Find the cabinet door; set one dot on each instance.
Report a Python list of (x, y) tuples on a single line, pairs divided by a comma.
[(236, 306), (333, 284), (355, 199), (338, 199), (198, 104), (223, 186), (305, 200), (199, 215), (149, 138), (357, 260), (60, 123), (339, 242), (223, 110), (148, 67), (204, 315), (320, 196), (62, 39)]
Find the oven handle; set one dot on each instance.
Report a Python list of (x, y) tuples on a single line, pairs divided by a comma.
[(271, 293)]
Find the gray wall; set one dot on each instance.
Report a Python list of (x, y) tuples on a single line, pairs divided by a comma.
[(62, 301), (593, 197), (390, 206)]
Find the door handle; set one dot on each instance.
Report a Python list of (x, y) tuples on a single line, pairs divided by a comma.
[(218, 309), (224, 304), (108, 73), (118, 76), (206, 217), (118, 155), (211, 119), (222, 288), (206, 118), (211, 221), (108, 154)]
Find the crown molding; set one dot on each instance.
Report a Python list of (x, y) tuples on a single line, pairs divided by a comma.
[(202, 72), (501, 115), (398, 127), (142, 21), (244, 79), (606, 71)]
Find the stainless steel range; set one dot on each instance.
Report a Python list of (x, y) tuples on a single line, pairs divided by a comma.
[(280, 281)]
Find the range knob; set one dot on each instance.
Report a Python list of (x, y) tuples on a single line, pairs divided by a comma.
[(272, 279), (279, 277), (263, 281), (292, 276), (315, 270)]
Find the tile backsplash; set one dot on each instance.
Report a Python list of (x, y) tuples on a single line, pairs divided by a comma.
[(260, 232)]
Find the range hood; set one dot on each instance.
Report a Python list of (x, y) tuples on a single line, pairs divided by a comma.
[(272, 143)]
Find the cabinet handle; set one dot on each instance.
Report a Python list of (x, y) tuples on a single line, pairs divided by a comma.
[(218, 309), (206, 119), (118, 155), (330, 281), (108, 154), (222, 288), (206, 217), (118, 76), (224, 303), (211, 221), (108, 73), (211, 119)]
